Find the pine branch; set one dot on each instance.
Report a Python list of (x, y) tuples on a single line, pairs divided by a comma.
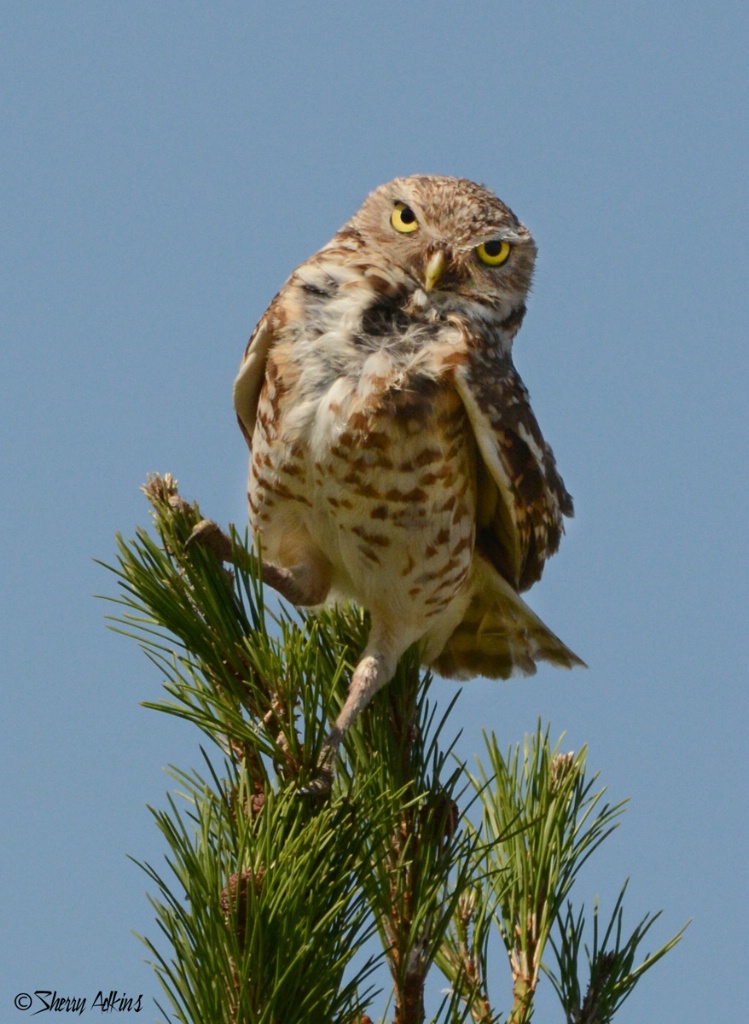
[(611, 972), (419, 861), (546, 822), (268, 896)]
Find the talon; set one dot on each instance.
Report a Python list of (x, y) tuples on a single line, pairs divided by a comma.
[(322, 784), (210, 535)]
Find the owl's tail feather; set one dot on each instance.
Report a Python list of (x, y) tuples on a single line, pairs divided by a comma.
[(499, 635)]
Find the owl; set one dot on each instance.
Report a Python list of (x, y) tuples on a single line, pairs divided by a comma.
[(395, 459)]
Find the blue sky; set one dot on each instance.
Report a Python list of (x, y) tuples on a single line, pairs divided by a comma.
[(164, 167)]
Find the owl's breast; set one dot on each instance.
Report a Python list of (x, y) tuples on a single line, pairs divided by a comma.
[(393, 489), (375, 467)]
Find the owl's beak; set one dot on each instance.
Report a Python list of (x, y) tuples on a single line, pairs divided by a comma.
[(434, 269)]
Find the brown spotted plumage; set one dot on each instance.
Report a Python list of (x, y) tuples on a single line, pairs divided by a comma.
[(395, 459)]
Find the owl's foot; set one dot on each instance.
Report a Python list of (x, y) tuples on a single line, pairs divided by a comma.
[(321, 785), (210, 535), (374, 670), (304, 585)]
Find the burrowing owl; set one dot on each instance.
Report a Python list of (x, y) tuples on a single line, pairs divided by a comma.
[(395, 459)]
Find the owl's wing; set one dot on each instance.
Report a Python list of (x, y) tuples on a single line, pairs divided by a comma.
[(521, 496), (249, 380)]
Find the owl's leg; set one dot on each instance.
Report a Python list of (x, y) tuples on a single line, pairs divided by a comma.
[(305, 584), (375, 669)]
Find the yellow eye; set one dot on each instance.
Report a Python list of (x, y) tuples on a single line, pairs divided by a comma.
[(493, 254), (404, 219)]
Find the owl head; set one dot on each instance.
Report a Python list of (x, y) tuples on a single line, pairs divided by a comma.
[(451, 242)]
